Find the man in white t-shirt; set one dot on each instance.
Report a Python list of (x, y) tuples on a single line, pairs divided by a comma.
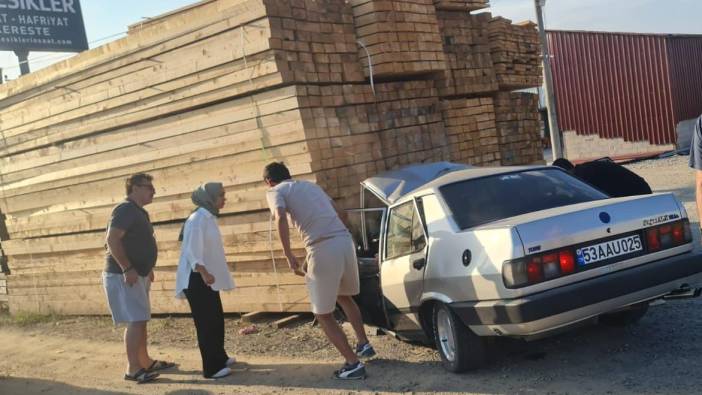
[(332, 272)]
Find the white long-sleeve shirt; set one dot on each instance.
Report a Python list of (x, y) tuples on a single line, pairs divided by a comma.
[(202, 244)]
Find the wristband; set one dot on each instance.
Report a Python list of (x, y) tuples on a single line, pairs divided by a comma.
[(127, 269)]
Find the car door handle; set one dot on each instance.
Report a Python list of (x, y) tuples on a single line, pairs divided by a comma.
[(419, 263)]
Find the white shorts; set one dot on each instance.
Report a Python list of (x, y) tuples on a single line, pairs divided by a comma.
[(127, 303), (332, 270)]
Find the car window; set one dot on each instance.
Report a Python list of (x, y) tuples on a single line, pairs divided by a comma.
[(400, 230), (482, 200), (405, 233), (418, 239)]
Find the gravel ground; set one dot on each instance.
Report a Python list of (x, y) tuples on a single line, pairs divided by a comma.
[(660, 354)]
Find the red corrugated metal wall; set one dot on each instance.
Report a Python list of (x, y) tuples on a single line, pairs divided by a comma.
[(613, 85), (685, 54)]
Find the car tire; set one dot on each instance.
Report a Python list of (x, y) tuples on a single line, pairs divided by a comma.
[(460, 349), (625, 317)]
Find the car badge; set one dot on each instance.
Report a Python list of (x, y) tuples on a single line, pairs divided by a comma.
[(605, 218)]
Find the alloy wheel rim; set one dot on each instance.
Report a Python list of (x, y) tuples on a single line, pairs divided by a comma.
[(445, 332)]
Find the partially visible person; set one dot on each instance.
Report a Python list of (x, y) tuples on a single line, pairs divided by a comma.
[(332, 268), (696, 162), (202, 273), (607, 176), (130, 258)]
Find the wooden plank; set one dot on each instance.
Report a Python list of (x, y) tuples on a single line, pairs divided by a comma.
[(162, 69), (402, 38), (251, 132), (283, 322), (252, 316)]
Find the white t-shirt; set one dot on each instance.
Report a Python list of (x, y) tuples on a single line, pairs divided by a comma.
[(310, 209), (202, 244)]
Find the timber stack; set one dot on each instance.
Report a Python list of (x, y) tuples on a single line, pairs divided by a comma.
[(213, 92)]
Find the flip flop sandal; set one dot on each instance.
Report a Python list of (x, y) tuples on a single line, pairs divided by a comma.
[(141, 376), (160, 365)]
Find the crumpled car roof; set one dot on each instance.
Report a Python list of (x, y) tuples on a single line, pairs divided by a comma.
[(392, 185)]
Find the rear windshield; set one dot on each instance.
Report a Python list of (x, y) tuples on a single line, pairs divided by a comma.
[(482, 200)]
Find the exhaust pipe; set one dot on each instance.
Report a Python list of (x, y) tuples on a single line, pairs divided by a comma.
[(684, 292)]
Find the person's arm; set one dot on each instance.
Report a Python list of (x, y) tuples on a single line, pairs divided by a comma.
[(116, 249), (281, 221)]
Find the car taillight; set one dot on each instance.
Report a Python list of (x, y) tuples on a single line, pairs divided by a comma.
[(550, 266), (668, 235), (534, 272), (678, 233), (567, 261), (652, 237), (538, 268)]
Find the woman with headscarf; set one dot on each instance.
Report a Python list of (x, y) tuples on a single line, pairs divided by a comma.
[(202, 273)]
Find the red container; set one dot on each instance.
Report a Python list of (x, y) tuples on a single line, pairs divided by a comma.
[(624, 85)]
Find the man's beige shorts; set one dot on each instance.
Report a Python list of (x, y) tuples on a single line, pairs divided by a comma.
[(332, 270)]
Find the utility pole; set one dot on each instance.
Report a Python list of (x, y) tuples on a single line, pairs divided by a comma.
[(23, 58), (556, 145)]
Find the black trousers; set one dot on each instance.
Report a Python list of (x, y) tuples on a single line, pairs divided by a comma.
[(206, 308)]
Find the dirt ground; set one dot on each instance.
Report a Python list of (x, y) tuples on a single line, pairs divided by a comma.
[(660, 354)]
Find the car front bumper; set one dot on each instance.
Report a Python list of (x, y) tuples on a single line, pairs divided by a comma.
[(559, 307)]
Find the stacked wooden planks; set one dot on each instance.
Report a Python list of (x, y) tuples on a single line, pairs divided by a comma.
[(213, 92), (515, 53), (518, 127), (470, 125), (401, 37), (469, 68), (3, 288)]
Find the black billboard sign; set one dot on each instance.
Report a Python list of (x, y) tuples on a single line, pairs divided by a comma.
[(42, 25)]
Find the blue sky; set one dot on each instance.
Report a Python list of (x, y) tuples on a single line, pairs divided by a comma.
[(105, 18)]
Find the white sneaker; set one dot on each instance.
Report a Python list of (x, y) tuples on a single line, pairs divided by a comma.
[(224, 372), (231, 361)]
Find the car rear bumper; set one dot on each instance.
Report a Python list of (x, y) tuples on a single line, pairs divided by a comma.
[(555, 308)]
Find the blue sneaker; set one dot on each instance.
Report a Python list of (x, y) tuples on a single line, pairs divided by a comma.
[(365, 350), (356, 371)]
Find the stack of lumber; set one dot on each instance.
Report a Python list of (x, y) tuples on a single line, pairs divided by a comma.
[(213, 92), (3, 288), (469, 68), (334, 135), (470, 125), (515, 54), (518, 127), (401, 37), (461, 5)]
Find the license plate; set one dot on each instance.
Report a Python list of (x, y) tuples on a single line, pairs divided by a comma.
[(608, 250)]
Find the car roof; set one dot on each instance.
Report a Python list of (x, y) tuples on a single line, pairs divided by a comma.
[(394, 185)]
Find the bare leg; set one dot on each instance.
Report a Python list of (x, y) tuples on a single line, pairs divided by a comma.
[(353, 314), (133, 336), (336, 336), (144, 358)]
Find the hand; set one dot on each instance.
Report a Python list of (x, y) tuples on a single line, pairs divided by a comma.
[(131, 277), (207, 278), (151, 276), (294, 265)]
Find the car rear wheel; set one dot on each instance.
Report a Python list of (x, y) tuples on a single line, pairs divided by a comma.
[(460, 349), (625, 317)]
